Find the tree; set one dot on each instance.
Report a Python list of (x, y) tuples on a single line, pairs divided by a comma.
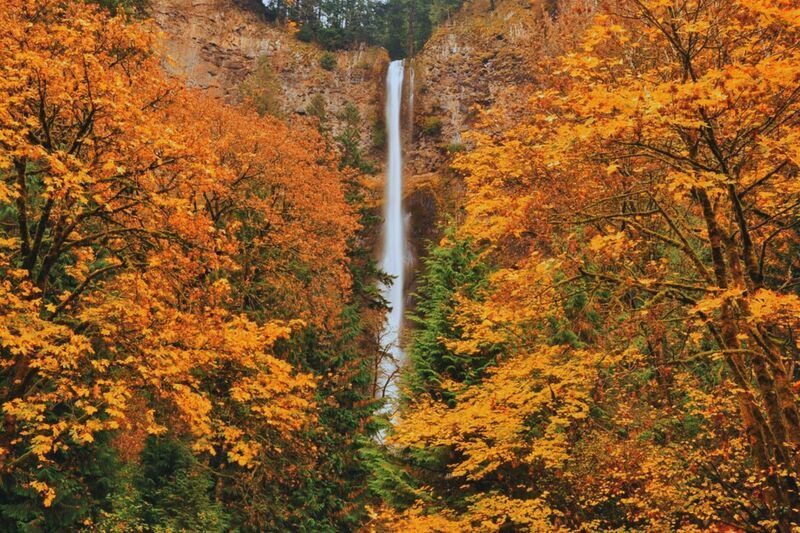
[(641, 208), (453, 271), (153, 262)]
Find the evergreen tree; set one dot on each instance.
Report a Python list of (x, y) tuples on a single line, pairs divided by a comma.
[(452, 268)]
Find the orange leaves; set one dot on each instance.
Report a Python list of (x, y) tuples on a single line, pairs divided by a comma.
[(615, 245), (774, 11), (488, 425), (159, 245), (276, 187), (641, 211), (771, 307), (489, 512), (45, 491)]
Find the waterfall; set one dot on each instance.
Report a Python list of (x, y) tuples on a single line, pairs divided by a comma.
[(394, 239)]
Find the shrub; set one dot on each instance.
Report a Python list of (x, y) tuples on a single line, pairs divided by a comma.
[(379, 135), (261, 89), (327, 61), (306, 33), (453, 148), (317, 107), (432, 126)]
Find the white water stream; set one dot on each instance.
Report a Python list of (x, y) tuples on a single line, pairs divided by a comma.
[(394, 257)]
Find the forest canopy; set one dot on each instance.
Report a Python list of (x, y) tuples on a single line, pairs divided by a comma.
[(400, 26), (173, 270), (627, 266)]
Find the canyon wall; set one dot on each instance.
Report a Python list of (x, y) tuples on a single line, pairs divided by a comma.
[(471, 61), (224, 47)]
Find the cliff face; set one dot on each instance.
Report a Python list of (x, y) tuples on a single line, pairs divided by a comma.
[(223, 45), (471, 60)]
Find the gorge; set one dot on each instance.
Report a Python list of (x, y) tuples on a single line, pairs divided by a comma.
[(258, 273)]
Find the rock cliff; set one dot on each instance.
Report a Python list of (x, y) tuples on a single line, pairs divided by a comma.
[(471, 61), (224, 46)]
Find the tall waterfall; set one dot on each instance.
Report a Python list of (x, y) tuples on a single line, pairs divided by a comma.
[(394, 238)]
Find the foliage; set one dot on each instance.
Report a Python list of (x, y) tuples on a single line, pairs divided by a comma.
[(452, 271), (136, 8), (261, 90), (349, 141), (162, 258), (378, 135), (639, 207), (432, 126), (400, 26), (174, 491), (327, 61), (453, 148), (317, 108)]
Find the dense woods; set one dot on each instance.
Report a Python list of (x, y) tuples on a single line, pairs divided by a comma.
[(184, 300), (401, 26), (604, 338), (639, 212)]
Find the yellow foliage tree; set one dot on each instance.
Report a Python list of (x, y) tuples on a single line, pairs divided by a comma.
[(155, 245), (641, 205)]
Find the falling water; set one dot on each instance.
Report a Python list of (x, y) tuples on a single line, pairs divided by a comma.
[(394, 238)]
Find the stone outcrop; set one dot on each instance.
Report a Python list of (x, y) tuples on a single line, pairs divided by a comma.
[(218, 44), (470, 61)]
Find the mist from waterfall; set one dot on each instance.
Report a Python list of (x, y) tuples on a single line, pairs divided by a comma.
[(394, 257)]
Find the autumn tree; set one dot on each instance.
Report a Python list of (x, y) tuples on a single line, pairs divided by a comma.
[(641, 205), (158, 251)]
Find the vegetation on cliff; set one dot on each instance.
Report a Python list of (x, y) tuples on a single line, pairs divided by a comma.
[(400, 26)]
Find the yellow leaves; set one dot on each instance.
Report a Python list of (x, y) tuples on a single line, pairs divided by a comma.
[(490, 512), (614, 244), (151, 426), (681, 184), (418, 519), (603, 31), (519, 297), (240, 450), (641, 252), (697, 26), (713, 301), (24, 410), (6, 194), (485, 512), (160, 332), (488, 424), (84, 433), (770, 11), (45, 491), (41, 445), (770, 307), (243, 453)]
